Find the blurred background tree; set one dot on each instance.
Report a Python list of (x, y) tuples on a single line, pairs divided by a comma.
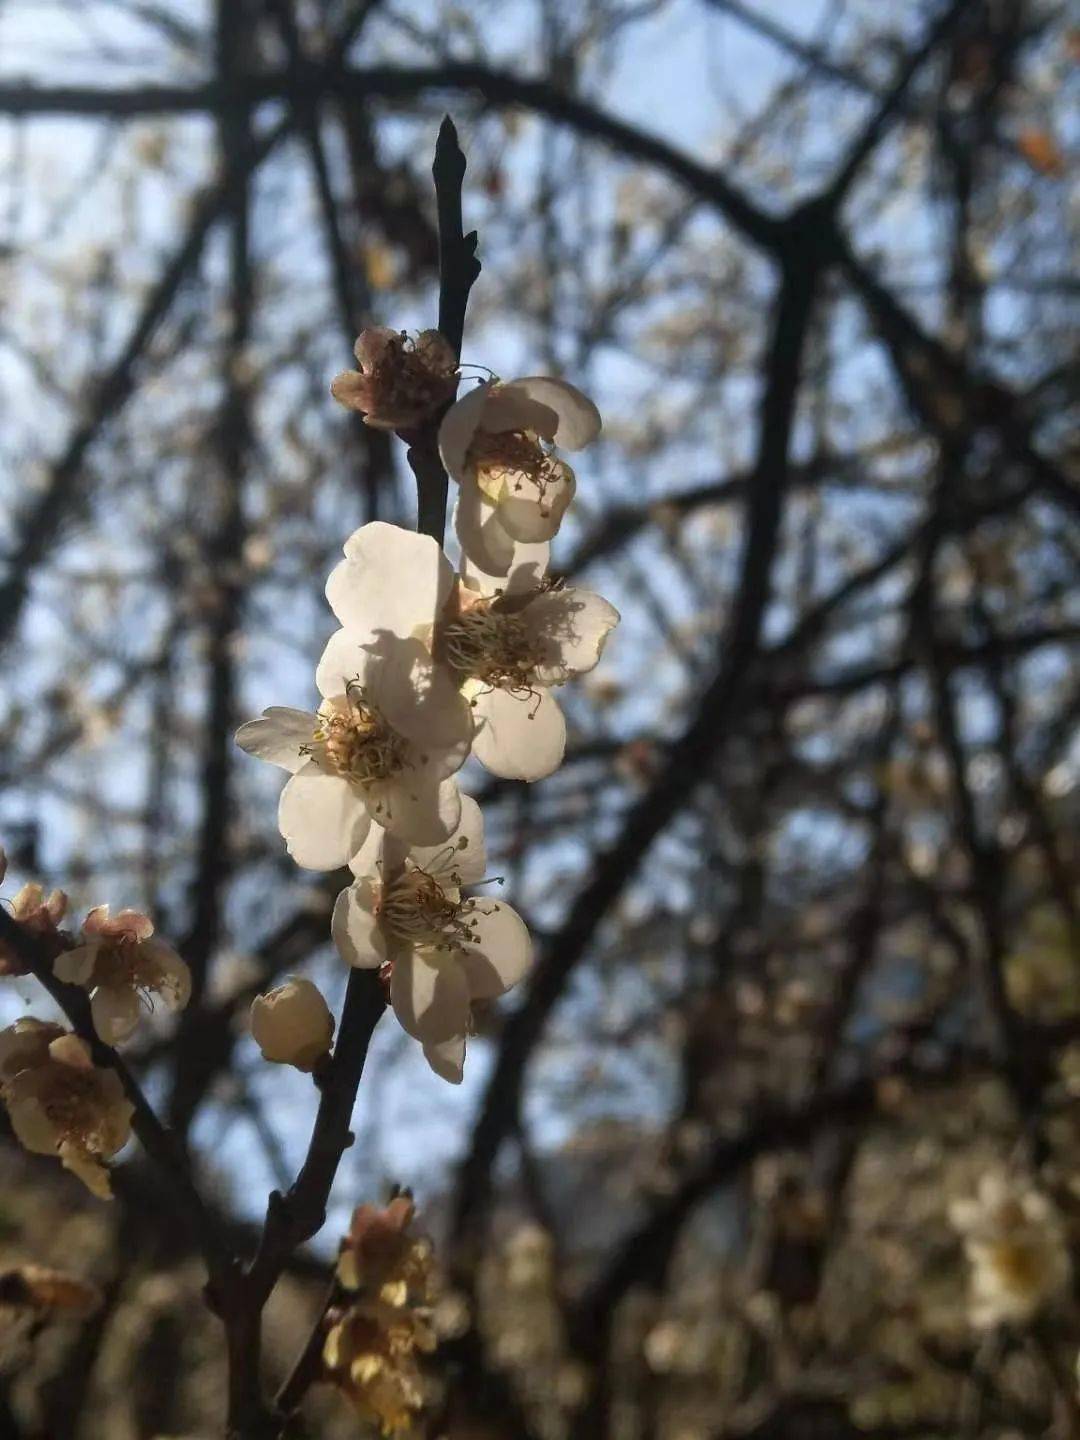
[(806, 889)]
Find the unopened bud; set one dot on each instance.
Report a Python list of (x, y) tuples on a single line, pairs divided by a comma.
[(292, 1024)]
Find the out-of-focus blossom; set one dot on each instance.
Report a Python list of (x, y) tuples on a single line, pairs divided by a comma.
[(497, 442), (401, 381), (37, 912), (373, 1344), (292, 1024), (371, 1356), (61, 1104), (48, 1293), (379, 1256), (1015, 1244), (125, 967), (26, 1044), (405, 915)]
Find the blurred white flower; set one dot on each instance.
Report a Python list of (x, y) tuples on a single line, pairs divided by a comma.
[(497, 443), (125, 968), (61, 1104), (1015, 1244)]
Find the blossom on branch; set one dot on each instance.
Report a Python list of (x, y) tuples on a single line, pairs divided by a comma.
[(373, 1343), (371, 1356), (508, 647), (497, 442), (1015, 1244), (126, 969), (390, 732), (401, 381), (61, 1104), (380, 1257), (292, 1024), (405, 915)]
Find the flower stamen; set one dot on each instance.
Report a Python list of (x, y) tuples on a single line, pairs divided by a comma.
[(355, 741)]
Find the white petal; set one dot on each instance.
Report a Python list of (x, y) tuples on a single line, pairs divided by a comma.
[(392, 579), (458, 427), (115, 1012), (511, 408), (528, 516), (418, 697), (278, 736), (430, 996), (483, 539), (578, 420), (527, 569), (502, 953), (519, 738), (462, 852), (342, 663), (322, 818), (416, 805), (356, 931), (447, 1059), (569, 627)]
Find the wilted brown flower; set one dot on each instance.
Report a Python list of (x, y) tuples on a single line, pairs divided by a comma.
[(380, 1257), (401, 381)]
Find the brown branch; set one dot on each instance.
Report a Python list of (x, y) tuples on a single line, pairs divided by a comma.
[(297, 1215)]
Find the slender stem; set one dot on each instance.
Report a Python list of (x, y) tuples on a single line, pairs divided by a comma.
[(296, 1216)]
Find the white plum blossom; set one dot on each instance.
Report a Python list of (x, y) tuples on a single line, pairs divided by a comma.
[(126, 968), (1015, 1243), (292, 1024), (405, 916), (390, 732), (497, 442), (508, 647)]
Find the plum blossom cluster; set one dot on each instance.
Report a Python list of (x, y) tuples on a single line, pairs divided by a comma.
[(377, 1336), (432, 665), (1017, 1250), (59, 1101)]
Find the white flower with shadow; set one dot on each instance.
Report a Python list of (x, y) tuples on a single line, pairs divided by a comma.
[(498, 444), (509, 647), (391, 730), (438, 951)]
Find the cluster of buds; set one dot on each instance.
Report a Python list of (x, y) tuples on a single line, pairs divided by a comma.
[(376, 1338), (1016, 1248), (60, 1103), (432, 664)]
